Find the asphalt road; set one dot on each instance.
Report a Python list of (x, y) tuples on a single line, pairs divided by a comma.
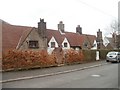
[(105, 76), (35, 72)]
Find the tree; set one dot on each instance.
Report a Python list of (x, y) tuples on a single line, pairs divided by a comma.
[(114, 30), (118, 35)]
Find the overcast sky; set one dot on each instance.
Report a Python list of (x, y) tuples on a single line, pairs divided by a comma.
[(91, 15)]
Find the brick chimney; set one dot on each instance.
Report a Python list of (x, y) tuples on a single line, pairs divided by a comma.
[(79, 29), (61, 26), (99, 39), (42, 28), (42, 34)]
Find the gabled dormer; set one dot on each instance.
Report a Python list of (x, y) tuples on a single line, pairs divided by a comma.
[(65, 44)]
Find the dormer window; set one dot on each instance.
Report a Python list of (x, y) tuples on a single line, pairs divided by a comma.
[(52, 44), (33, 44), (65, 44)]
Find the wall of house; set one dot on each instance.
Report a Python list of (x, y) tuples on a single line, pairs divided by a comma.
[(105, 41), (49, 49), (42, 42), (94, 45)]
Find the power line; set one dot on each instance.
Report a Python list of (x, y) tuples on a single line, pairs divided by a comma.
[(96, 8)]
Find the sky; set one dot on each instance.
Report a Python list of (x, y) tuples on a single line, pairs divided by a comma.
[(91, 15)]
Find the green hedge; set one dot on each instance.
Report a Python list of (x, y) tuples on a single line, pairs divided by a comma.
[(103, 53), (89, 55)]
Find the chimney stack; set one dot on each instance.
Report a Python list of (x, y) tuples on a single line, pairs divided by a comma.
[(99, 39), (79, 29), (42, 28), (61, 26)]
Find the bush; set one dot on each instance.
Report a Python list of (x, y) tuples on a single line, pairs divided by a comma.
[(90, 55), (72, 56), (103, 53), (27, 59)]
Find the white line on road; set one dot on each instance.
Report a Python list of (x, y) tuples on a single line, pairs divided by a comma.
[(95, 75)]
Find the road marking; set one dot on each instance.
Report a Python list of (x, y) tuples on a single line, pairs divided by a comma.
[(95, 75)]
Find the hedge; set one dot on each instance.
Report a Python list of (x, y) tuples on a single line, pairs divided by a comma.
[(72, 56), (26, 59), (90, 55), (104, 52)]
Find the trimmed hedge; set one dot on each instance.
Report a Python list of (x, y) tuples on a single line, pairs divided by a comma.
[(72, 56), (89, 55), (104, 52), (29, 59), (26, 59)]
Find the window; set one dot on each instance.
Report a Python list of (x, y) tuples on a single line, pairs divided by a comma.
[(52, 44), (85, 44), (93, 45), (65, 44), (33, 44)]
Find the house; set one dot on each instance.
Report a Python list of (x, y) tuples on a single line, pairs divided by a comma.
[(111, 42), (24, 38), (108, 43)]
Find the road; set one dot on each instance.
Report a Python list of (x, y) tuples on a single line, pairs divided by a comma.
[(105, 76), (35, 72)]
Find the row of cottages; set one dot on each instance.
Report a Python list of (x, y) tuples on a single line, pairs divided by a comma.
[(24, 37)]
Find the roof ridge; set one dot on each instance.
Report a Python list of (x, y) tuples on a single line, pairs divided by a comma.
[(21, 26), (4, 22)]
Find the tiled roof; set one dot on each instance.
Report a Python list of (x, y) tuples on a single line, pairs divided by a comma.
[(11, 35), (74, 39), (24, 36), (56, 34)]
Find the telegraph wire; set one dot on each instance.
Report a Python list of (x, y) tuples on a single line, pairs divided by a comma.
[(99, 10)]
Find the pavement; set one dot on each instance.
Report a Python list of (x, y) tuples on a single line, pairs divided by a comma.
[(37, 73)]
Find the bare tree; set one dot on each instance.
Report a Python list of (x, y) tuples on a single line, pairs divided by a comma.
[(114, 30), (118, 36), (114, 27)]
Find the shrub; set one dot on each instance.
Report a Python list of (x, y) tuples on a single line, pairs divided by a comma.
[(27, 59), (72, 56), (103, 53), (90, 55)]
